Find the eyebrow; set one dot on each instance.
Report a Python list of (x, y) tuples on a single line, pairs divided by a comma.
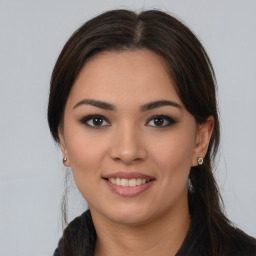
[(143, 108), (95, 103), (159, 103)]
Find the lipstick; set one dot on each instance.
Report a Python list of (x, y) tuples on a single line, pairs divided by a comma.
[(128, 184)]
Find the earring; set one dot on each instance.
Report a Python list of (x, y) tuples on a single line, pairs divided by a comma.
[(64, 160), (200, 160)]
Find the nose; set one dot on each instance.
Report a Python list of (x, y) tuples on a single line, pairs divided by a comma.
[(127, 145)]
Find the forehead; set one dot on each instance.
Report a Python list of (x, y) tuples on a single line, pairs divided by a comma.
[(127, 75)]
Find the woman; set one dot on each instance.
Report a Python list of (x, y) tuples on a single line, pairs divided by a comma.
[(133, 106)]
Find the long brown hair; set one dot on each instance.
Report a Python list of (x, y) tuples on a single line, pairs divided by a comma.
[(188, 65)]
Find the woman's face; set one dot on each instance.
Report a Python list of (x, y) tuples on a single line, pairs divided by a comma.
[(129, 139)]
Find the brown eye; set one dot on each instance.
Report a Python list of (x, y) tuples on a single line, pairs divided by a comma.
[(95, 121), (160, 121)]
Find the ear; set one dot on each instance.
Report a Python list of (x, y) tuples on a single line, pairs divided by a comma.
[(63, 148), (204, 133)]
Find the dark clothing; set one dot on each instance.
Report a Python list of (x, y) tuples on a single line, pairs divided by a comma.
[(82, 232), (197, 242)]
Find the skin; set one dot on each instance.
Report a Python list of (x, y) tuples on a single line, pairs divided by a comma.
[(156, 221)]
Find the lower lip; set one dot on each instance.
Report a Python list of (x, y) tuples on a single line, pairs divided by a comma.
[(128, 191)]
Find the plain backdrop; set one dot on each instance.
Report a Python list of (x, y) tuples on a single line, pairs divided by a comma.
[(32, 33)]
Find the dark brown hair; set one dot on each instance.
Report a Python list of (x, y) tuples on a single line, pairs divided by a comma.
[(192, 72)]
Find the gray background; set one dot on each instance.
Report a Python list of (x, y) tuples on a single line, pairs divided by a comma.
[(32, 34)]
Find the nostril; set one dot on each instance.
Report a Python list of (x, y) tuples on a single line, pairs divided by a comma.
[(127, 160), (127, 148)]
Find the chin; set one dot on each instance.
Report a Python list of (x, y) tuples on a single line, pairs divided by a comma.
[(130, 217), (126, 214)]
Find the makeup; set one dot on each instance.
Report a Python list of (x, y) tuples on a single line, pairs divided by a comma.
[(128, 184)]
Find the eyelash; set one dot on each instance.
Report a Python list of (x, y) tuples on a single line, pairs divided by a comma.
[(167, 121), (88, 118)]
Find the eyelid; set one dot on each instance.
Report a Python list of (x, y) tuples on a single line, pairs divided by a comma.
[(87, 118), (169, 119)]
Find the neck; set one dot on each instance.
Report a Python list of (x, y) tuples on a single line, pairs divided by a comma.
[(162, 236)]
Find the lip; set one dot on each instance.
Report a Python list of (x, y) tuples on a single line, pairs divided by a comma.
[(128, 191), (128, 175)]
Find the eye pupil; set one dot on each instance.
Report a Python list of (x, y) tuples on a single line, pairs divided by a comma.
[(158, 121), (97, 121)]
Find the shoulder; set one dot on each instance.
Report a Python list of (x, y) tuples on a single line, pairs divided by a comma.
[(243, 243), (204, 240), (78, 236)]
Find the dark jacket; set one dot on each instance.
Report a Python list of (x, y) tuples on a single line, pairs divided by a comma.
[(82, 233)]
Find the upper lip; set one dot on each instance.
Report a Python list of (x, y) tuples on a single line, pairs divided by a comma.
[(128, 175)]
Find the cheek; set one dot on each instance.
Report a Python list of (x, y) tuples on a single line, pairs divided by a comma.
[(85, 152), (86, 157), (174, 154)]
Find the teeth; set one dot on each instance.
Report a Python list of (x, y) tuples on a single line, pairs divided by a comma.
[(128, 182), (132, 183), (124, 182), (112, 180), (118, 181)]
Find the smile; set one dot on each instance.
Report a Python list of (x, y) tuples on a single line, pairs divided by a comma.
[(128, 182)]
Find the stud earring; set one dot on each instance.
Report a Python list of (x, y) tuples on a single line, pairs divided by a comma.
[(200, 160), (64, 160)]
